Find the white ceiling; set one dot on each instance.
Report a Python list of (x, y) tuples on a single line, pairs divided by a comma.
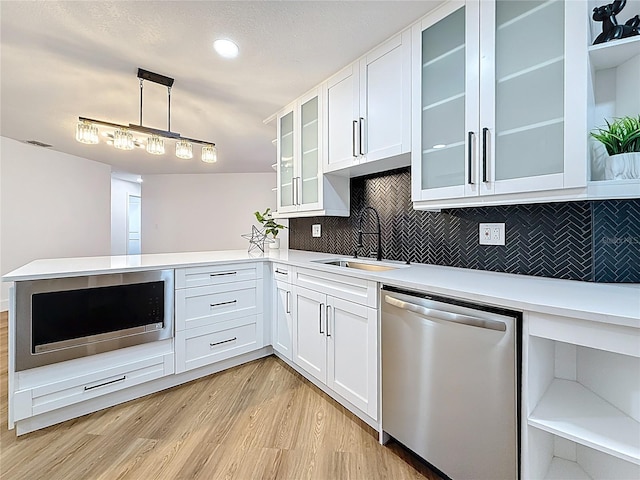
[(64, 59)]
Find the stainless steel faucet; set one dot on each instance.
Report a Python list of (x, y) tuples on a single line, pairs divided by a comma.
[(378, 234)]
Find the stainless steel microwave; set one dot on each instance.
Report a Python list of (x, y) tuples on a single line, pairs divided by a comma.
[(65, 318)]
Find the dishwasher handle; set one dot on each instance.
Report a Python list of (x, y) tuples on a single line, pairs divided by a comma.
[(441, 315)]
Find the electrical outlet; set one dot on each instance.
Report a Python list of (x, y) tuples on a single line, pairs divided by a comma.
[(315, 230), (492, 234)]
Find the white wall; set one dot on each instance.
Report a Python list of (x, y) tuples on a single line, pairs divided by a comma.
[(52, 205), (203, 211), (120, 191)]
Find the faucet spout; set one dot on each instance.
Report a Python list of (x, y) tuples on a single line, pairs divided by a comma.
[(377, 233)]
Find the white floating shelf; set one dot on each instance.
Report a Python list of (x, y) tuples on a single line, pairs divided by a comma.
[(561, 469), (613, 189), (614, 53), (571, 411)]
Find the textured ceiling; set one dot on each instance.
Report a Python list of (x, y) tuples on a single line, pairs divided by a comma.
[(61, 60)]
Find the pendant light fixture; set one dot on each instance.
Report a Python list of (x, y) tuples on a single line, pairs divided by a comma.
[(121, 136)]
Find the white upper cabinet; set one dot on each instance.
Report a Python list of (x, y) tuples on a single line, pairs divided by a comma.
[(499, 111), (302, 188), (368, 110)]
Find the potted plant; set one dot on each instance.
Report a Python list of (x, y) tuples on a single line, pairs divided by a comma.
[(271, 227), (621, 139)]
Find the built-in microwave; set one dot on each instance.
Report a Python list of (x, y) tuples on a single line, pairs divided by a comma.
[(66, 318)]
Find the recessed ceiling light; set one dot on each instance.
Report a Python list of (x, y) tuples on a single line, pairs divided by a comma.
[(226, 48)]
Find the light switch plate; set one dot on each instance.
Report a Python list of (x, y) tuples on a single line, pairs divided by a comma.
[(315, 230), (492, 234)]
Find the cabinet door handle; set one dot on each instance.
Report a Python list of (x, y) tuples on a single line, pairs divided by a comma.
[(298, 188), (485, 132), (320, 317), (110, 382), (470, 162), (288, 302), (361, 144), (223, 341), (281, 272), (222, 274), (353, 138), (327, 320), (222, 303)]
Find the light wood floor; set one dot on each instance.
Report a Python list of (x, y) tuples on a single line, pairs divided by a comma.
[(260, 420)]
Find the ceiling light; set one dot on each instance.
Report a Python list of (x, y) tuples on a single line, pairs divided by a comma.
[(226, 48), (155, 145), (184, 149), (87, 133), (209, 154), (122, 138)]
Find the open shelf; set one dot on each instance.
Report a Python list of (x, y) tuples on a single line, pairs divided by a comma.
[(561, 469), (571, 411), (613, 189), (614, 53)]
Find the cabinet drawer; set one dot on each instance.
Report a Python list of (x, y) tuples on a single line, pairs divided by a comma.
[(352, 289), (282, 272), (206, 345), (61, 393), (216, 274), (201, 306)]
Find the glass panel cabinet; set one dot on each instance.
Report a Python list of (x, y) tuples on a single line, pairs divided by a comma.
[(494, 88)]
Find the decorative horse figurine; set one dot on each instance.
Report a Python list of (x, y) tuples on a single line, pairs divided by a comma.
[(610, 28)]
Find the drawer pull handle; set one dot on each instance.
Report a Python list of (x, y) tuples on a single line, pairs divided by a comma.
[(282, 272), (221, 274), (122, 379), (224, 341), (222, 303)]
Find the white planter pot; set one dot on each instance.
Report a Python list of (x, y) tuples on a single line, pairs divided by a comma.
[(274, 243), (622, 166)]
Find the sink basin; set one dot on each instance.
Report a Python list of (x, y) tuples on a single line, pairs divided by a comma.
[(372, 267)]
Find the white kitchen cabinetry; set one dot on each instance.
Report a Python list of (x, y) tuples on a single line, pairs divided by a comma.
[(282, 317), (499, 107), (336, 335), (302, 188), (218, 313), (368, 110), (582, 383)]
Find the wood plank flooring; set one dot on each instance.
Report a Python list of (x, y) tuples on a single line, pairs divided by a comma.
[(260, 420)]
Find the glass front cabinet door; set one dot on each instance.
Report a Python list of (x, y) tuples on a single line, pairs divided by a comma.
[(501, 111), (299, 168)]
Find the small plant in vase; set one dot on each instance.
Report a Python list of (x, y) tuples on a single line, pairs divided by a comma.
[(271, 227), (621, 139)]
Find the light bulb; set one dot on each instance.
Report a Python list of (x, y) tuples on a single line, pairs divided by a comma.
[(155, 145), (184, 149), (226, 48), (209, 154), (87, 133)]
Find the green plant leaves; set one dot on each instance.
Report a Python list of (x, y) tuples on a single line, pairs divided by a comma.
[(620, 136), (269, 224)]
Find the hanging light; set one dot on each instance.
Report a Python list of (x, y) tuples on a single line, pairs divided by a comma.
[(209, 154), (155, 145), (184, 149), (87, 133), (152, 139), (123, 139)]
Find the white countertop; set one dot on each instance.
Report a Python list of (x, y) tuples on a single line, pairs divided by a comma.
[(609, 303)]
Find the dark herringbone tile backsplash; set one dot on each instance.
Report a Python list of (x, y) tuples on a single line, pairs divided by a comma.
[(589, 241)]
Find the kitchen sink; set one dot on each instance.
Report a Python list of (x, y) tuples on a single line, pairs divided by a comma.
[(372, 267)]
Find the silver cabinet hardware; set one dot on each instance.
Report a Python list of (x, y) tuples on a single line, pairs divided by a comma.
[(485, 139), (110, 382), (222, 274), (281, 272), (320, 317), (223, 341), (288, 301), (223, 303), (361, 143), (327, 320), (353, 138), (470, 163)]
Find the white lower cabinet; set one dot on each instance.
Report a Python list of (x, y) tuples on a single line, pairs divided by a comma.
[(44, 389), (336, 340), (582, 384)]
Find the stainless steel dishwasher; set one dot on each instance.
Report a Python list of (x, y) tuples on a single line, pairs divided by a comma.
[(451, 382)]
